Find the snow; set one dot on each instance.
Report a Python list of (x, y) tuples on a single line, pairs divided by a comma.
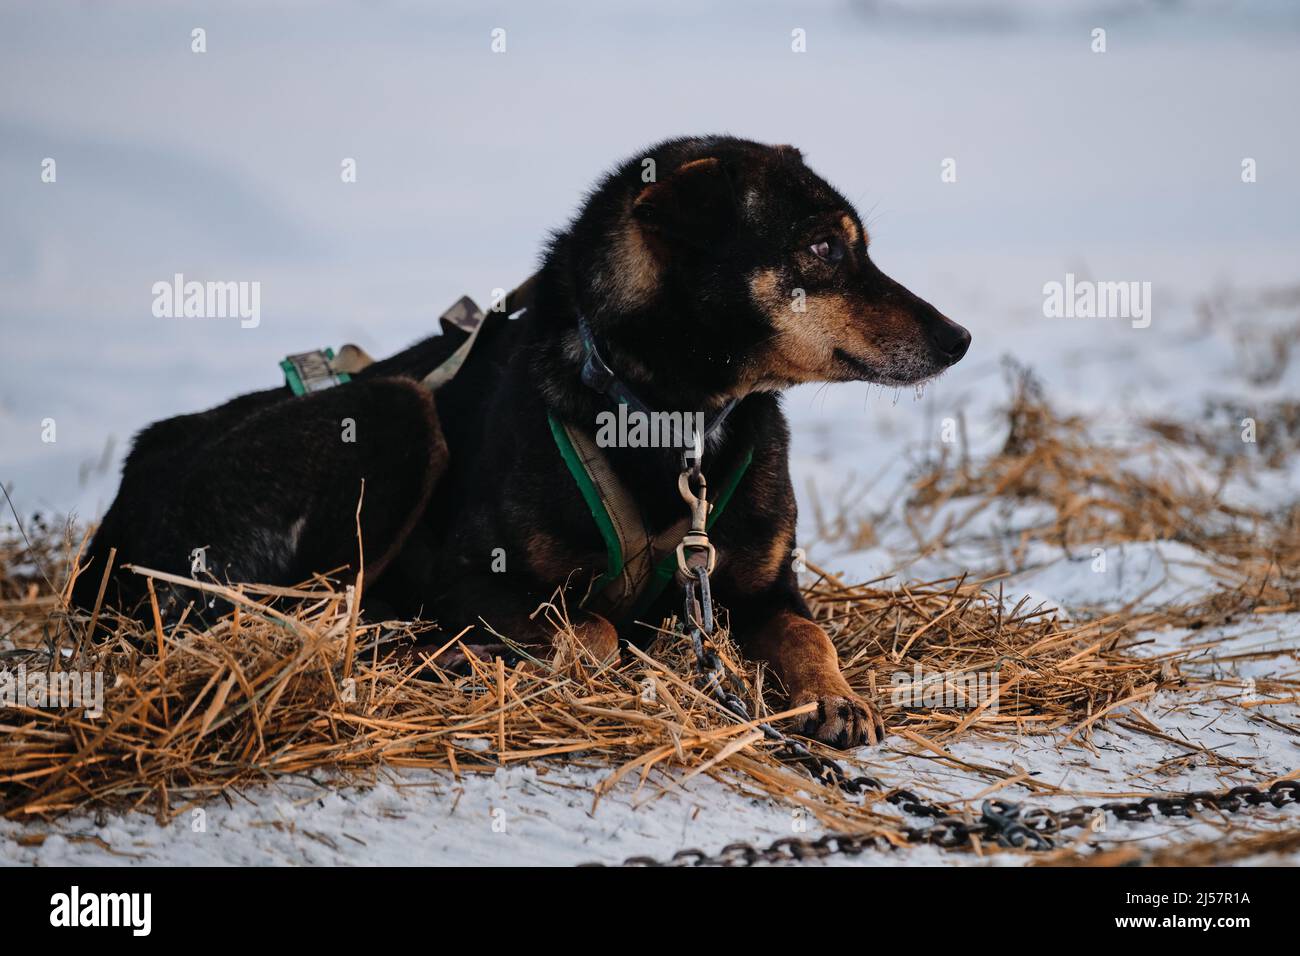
[(543, 814), (1121, 166)]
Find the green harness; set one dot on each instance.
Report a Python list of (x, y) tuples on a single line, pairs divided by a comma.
[(638, 563)]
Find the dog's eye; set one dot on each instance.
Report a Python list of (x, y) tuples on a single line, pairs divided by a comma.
[(829, 249)]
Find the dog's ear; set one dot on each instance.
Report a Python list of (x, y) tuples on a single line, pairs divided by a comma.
[(695, 204)]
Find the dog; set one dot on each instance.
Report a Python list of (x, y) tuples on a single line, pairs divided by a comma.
[(706, 281)]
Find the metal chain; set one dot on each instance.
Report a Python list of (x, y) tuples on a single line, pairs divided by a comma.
[(1006, 823)]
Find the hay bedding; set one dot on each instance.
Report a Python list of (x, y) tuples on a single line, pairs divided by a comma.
[(292, 683)]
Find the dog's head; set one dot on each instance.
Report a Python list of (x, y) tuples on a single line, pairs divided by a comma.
[(734, 260)]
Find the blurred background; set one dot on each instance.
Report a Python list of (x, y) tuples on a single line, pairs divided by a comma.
[(225, 165)]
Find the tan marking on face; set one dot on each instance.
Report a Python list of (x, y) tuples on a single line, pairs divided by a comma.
[(850, 229), (765, 290), (635, 261), (842, 324), (803, 348), (633, 273)]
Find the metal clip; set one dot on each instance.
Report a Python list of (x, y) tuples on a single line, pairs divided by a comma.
[(696, 543), (699, 504)]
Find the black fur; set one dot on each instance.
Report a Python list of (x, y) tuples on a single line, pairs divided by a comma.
[(682, 279)]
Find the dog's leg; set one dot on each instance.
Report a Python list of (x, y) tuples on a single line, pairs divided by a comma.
[(803, 657), (596, 637)]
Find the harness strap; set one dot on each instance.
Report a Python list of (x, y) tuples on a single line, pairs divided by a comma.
[(598, 485), (639, 563), (466, 315), (312, 371)]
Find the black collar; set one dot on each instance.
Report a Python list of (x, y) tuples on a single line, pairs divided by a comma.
[(600, 378)]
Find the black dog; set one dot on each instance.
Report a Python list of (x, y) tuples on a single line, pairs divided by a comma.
[(735, 273)]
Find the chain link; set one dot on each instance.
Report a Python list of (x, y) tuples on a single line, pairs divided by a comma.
[(1007, 824), (1003, 822)]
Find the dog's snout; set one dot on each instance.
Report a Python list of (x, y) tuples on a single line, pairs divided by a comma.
[(951, 339), (947, 340)]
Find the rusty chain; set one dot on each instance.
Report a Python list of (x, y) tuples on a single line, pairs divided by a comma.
[(1003, 822)]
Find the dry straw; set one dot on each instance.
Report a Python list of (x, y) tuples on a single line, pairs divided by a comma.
[(193, 714)]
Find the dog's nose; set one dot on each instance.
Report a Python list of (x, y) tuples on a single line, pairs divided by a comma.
[(951, 339)]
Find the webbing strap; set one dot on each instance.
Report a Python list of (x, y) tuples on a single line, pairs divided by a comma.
[(580, 468), (312, 371), (639, 563), (464, 314)]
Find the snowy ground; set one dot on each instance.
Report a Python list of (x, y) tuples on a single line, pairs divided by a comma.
[(544, 814), (1122, 166)]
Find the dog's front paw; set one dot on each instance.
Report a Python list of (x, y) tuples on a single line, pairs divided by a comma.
[(841, 719), (454, 659)]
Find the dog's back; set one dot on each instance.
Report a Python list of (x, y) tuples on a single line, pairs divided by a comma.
[(259, 456)]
